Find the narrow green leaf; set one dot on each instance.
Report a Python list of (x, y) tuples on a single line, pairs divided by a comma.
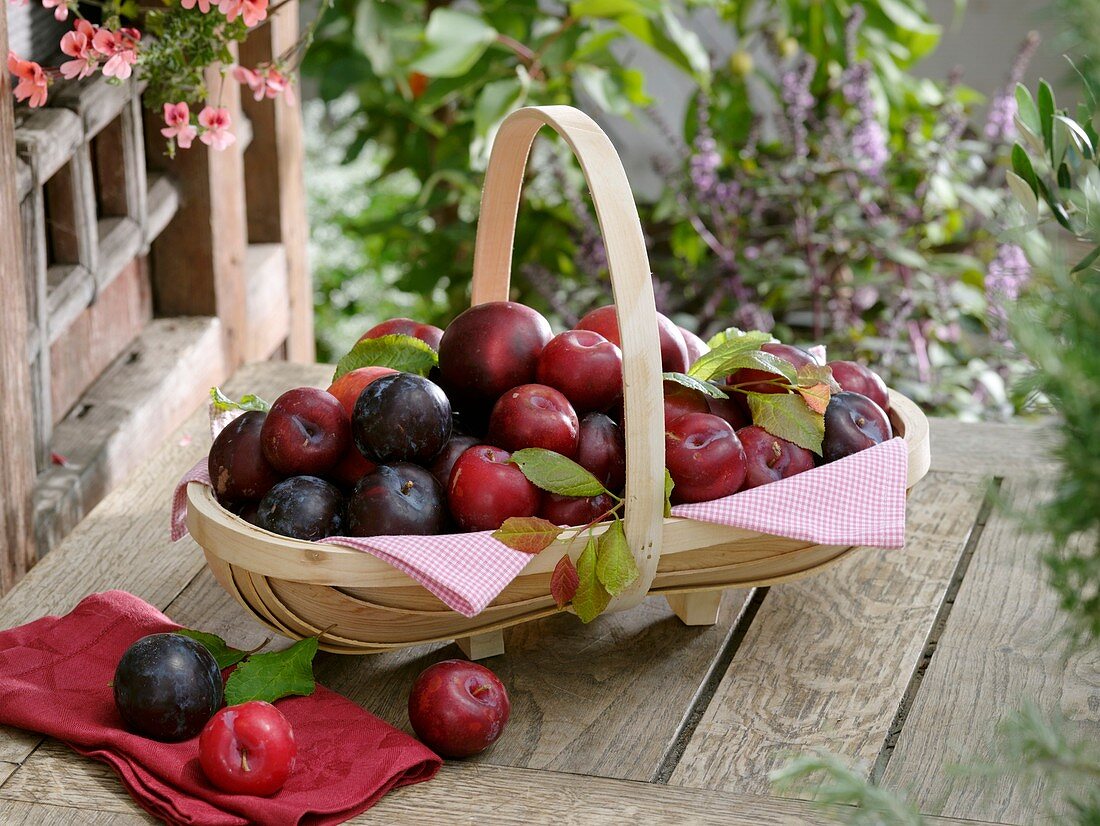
[(706, 388), (529, 534), (1027, 110), (1023, 194), (274, 675), (669, 485), (1087, 261), (615, 565), (788, 417), (403, 353), (591, 598), (1021, 165), (223, 654), (553, 472), (1077, 134), (1046, 113), (222, 403)]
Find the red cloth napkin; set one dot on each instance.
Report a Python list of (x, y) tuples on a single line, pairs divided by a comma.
[(55, 676)]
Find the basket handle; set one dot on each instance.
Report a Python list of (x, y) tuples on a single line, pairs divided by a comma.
[(636, 311)]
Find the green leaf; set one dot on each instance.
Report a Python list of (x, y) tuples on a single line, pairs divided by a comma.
[(1046, 113), (599, 85), (750, 360), (1087, 261), (733, 347), (613, 8), (688, 42), (1027, 110), (1078, 135), (752, 338), (669, 485), (223, 403), (370, 29), (529, 534), (1021, 165), (811, 374), (1023, 194), (494, 103), (591, 598), (615, 565), (454, 42), (906, 257), (564, 581), (787, 416), (553, 472), (403, 353), (274, 675), (706, 388), (223, 654)]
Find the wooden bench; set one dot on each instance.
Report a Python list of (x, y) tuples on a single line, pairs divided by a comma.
[(902, 660)]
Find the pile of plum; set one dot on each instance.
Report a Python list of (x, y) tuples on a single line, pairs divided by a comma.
[(383, 452)]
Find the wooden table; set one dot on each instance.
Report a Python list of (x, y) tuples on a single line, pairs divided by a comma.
[(901, 660)]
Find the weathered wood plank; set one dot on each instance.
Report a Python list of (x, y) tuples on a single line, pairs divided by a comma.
[(992, 448), (47, 139), (1002, 647), (96, 101), (123, 418), (97, 335), (163, 203), (605, 699), (211, 226), (33, 222), (17, 463), (120, 241), (71, 209), (7, 770), (460, 793), (827, 660), (268, 302), (75, 814), (275, 181)]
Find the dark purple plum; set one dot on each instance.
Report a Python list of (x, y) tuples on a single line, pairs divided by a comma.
[(444, 461), (574, 510), (853, 423), (769, 458), (735, 410), (601, 450), (238, 470), (303, 507), (401, 418), (167, 686), (397, 499)]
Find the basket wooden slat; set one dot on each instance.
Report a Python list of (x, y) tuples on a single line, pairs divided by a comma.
[(298, 588)]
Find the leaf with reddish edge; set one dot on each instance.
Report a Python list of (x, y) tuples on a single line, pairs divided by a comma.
[(528, 534), (811, 374), (564, 581), (816, 397)]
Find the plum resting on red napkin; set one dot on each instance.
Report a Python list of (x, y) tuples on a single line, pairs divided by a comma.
[(55, 678)]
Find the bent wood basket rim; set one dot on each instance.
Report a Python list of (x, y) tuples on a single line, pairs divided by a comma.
[(297, 587)]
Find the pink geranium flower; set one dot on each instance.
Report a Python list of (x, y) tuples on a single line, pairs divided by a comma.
[(77, 44), (216, 125), (120, 49), (178, 118), (265, 81), (60, 8), (253, 11), (33, 82), (204, 5)]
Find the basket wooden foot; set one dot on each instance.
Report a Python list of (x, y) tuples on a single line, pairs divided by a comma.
[(481, 646), (697, 607)]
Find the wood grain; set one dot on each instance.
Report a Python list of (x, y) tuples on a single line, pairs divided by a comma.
[(98, 335), (992, 448), (460, 793), (17, 461), (275, 181), (199, 259), (1002, 647), (606, 698), (828, 660)]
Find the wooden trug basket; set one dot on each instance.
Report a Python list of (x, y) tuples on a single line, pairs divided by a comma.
[(298, 588)]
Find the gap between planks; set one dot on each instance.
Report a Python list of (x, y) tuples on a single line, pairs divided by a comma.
[(709, 686), (936, 631)]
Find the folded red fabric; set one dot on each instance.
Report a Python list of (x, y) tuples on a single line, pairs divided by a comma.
[(55, 678)]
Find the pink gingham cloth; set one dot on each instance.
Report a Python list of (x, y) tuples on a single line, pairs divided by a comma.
[(859, 500)]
